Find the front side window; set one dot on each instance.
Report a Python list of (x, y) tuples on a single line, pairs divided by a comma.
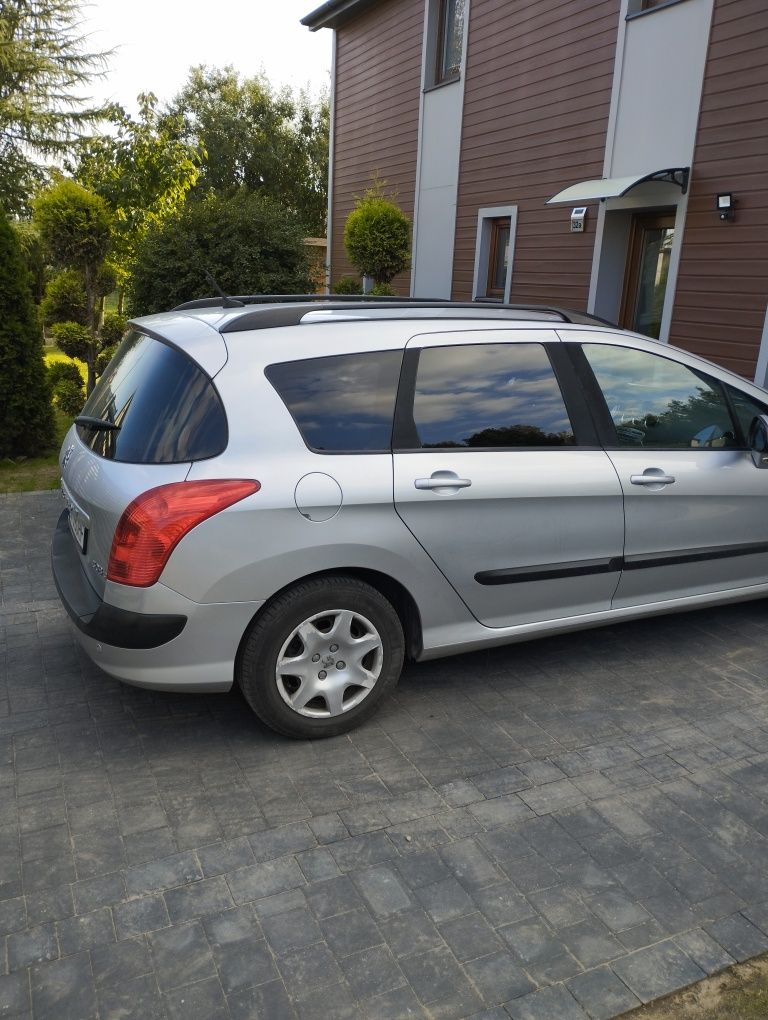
[(745, 408), (450, 40), (165, 408), (659, 404), (344, 403), (484, 396)]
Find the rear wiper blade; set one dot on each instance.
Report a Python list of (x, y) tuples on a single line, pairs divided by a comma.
[(99, 424)]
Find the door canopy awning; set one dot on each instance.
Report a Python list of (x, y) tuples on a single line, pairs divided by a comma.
[(617, 187)]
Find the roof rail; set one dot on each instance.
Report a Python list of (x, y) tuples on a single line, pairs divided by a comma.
[(285, 299), (266, 311)]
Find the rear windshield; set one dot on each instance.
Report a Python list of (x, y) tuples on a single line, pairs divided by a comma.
[(168, 410)]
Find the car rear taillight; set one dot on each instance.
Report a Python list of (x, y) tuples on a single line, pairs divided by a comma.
[(156, 521)]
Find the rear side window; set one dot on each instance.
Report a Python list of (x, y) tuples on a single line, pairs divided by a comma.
[(166, 407), (344, 403), (486, 396)]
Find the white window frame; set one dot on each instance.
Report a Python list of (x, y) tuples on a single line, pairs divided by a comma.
[(483, 248)]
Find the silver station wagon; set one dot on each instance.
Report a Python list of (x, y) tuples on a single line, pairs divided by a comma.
[(295, 494)]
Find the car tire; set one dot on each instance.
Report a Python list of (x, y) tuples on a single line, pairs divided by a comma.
[(320, 658)]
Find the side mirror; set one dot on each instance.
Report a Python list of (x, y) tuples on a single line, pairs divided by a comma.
[(758, 440)]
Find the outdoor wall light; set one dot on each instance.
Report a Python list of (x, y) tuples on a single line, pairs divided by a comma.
[(724, 203)]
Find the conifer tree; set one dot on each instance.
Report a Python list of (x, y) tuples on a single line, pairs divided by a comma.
[(26, 417)]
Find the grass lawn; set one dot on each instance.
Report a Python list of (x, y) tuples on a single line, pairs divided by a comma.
[(36, 473), (739, 993)]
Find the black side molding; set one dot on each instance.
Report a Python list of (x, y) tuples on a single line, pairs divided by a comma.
[(644, 561), (111, 625)]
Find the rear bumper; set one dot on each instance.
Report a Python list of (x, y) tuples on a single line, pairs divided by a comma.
[(157, 638), (121, 628)]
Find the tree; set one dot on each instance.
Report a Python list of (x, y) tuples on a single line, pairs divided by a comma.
[(377, 236), (257, 138), (143, 171), (26, 418), (74, 227), (246, 241), (44, 68)]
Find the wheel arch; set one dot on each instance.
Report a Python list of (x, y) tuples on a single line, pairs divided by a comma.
[(397, 594)]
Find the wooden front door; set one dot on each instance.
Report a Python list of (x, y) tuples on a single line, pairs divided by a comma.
[(645, 280)]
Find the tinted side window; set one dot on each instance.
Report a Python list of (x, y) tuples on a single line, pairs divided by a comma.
[(168, 410), (489, 395), (660, 404), (745, 409), (341, 404)]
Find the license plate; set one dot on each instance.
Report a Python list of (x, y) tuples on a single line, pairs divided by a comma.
[(78, 529), (78, 522)]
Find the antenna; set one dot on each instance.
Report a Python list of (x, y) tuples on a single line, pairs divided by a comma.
[(226, 302)]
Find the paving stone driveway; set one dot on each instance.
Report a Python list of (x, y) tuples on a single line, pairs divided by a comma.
[(553, 831)]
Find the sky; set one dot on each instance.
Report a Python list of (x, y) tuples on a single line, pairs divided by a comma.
[(157, 41)]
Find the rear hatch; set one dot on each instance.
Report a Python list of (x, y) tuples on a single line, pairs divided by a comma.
[(153, 413)]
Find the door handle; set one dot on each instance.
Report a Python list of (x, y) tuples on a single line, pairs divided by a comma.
[(652, 476), (445, 481)]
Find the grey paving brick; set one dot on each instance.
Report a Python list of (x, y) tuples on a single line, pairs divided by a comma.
[(469, 937), (372, 972), (410, 932), (136, 998), (502, 904), (382, 890), (335, 896), (258, 880), (179, 869), (209, 896), (328, 828), (433, 975), (617, 910), (399, 1004), (445, 900), (201, 1000), (351, 932), (601, 993), (317, 865), (143, 914), (418, 869), (500, 811), (657, 970), (560, 905), (292, 930), (219, 858), (360, 851), (553, 1003), (103, 891), (543, 800), (471, 865), (591, 943), (310, 967), (738, 936), (14, 994), (86, 931), (181, 955), (269, 1001), (498, 977), (33, 945), (120, 962), (64, 989), (704, 951), (287, 839)]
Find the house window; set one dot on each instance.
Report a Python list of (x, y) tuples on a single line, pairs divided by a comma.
[(493, 253), (498, 257), (450, 40)]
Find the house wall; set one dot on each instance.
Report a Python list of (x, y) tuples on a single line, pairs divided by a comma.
[(536, 102), (376, 113), (722, 285)]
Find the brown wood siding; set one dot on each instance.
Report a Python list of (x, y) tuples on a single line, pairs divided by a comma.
[(538, 90), (722, 284), (376, 126)]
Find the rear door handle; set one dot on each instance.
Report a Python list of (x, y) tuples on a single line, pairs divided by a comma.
[(447, 481), (652, 477)]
